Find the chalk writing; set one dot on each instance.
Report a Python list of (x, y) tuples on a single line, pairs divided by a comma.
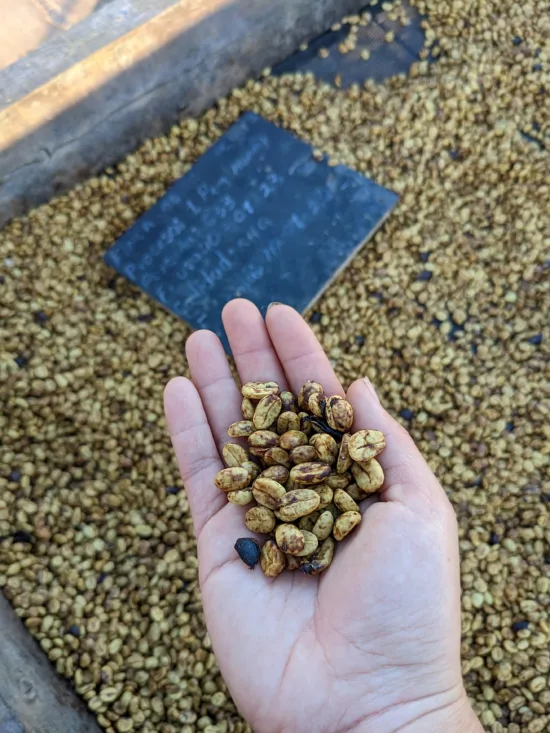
[(256, 216), (244, 160)]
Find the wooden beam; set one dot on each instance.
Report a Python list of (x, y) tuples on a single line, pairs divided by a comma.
[(33, 699), (130, 70)]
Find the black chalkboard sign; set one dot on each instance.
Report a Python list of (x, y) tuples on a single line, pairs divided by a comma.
[(257, 216)]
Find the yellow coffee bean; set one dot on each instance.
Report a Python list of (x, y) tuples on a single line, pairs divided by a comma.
[(258, 390), (272, 559), (232, 479), (366, 444), (344, 524), (339, 413)]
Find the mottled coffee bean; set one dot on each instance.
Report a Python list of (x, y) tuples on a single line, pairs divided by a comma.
[(248, 550), (369, 476), (344, 459), (289, 402), (292, 439), (305, 424), (288, 421), (263, 439), (291, 485), (242, 497), (344, 502), (240, 429), (316, 404), (366, 444), (308, 522), (297, 503), (310, 473), (321, 559), (268, 492), (277, 473), (232, 479), (272, 559), (339, 413), (303, 454), (260, 519), (326, 447), (333, 510), (234, 455), (267, 411), (307, 390), (247, 408), (326, 495), (258, 390), (338, 481), (323, 526), (355, 492), (252, 468), (344, 524), (290, 539), (277, 457), (310, 544)]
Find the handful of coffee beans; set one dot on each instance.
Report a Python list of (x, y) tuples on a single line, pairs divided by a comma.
[(302, 475)]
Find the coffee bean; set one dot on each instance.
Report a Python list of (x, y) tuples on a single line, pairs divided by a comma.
[(520, 625), (248, 550), (21, 536)]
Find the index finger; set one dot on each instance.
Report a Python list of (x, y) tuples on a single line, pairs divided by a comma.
[(299, 351)]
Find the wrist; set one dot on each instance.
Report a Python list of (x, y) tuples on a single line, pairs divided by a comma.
[(448, 712), (456, 718)]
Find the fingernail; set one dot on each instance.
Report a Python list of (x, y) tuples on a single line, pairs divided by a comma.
[(369, 385), (275, 302)]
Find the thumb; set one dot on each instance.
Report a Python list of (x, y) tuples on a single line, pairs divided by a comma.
[(408, 478)]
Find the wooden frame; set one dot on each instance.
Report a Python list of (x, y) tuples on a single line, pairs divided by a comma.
[(32, 697), (84, 99)]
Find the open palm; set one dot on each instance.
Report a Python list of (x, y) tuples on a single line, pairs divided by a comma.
[(373, 643)]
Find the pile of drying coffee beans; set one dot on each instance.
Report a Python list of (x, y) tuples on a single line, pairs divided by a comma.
[(303, 474)]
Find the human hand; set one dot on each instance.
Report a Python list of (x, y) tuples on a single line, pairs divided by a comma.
[(373, 644)]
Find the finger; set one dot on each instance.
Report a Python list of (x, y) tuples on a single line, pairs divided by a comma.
[(299, 351), (212, 377), (217, 523), (251, 346), (195, 449), (408, 478)]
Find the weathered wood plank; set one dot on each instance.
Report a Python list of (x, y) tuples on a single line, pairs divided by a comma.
[(33, 699), (176, 63), (27, 24), (66, 49)]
